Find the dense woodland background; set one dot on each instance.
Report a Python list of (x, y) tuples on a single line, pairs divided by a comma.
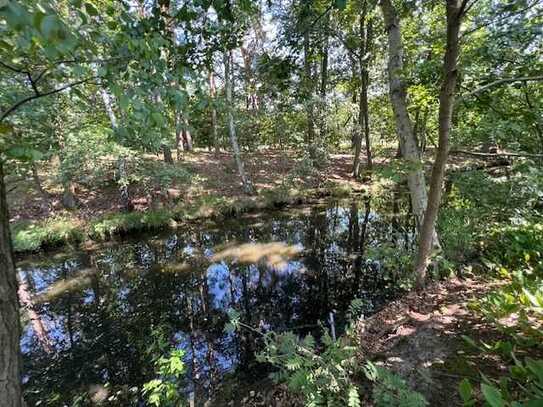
[(121, 116)]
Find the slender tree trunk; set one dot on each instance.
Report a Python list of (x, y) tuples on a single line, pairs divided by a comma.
[(10, 361), (109, 108), (324, 82), (212, 94), (308, 90), (366, 36), (68, 195), (247, 187), (404, 127), (365, 86), (122, 179), (187, 137), (124, 196), (446, 106), (37, 182), (179, 147), (167, 152)]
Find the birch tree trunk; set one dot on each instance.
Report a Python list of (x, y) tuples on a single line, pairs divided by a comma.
[(404, 127), (124, 196), (10, 361), (446, 106), (247, 187)]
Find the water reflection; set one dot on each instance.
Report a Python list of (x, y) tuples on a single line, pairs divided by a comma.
[(92, 315)]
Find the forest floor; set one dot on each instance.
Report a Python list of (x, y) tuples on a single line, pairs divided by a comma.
[(426, 337), (211, 175)]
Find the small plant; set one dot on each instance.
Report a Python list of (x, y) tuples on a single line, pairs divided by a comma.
[(522, 387), (390, 390), (164, 390)]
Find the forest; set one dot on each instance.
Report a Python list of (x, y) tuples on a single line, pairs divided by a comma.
[(271, 203)]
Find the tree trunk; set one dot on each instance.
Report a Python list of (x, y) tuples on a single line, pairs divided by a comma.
[(212, 93), (446, 106), (365, 86), (122, 179), (247, 187), (187, 138), (324, 82), (109, 108), (37, 182), (167, 152), (68, 195), (404, 127), (308, 90), (366, 36), (179, 148), (10, 361)]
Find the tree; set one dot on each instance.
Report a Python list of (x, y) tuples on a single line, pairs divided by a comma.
[(404, 127)]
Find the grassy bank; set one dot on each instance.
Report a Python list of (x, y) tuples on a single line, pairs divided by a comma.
[(31, 236)]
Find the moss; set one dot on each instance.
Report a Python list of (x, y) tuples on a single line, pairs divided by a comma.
[(29, 236), (120, 223)]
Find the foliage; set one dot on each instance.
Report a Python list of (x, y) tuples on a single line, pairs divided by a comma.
[(391, 390), (323, 378), (522, 387), (516, 310), (164, 390)]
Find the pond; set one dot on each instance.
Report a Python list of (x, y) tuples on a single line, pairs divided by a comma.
[(95, 315)]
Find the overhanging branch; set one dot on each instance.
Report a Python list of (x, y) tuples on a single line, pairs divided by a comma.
[(21, 102)]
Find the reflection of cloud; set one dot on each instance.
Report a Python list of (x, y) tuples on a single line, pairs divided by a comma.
[(275, 254)]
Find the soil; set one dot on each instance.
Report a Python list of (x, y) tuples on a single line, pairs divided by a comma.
[(421, 337)]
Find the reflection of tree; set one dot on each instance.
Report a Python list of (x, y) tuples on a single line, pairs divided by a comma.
[(106, 328)]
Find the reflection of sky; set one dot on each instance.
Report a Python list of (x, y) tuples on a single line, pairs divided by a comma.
[(283, 296)]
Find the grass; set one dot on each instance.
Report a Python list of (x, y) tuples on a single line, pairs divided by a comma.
[(32, 236), (29, 236)]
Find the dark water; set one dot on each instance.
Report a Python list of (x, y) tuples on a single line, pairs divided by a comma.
[(108, 305)]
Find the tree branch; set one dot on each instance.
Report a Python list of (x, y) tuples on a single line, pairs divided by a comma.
[(487, 23), (501, 81), (13, 69), (40, 95)]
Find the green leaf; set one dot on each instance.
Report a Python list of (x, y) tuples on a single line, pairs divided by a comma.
[(353, 399), (91, 10), (49, 26), (492, 395), (466, 390), (340, 4)]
